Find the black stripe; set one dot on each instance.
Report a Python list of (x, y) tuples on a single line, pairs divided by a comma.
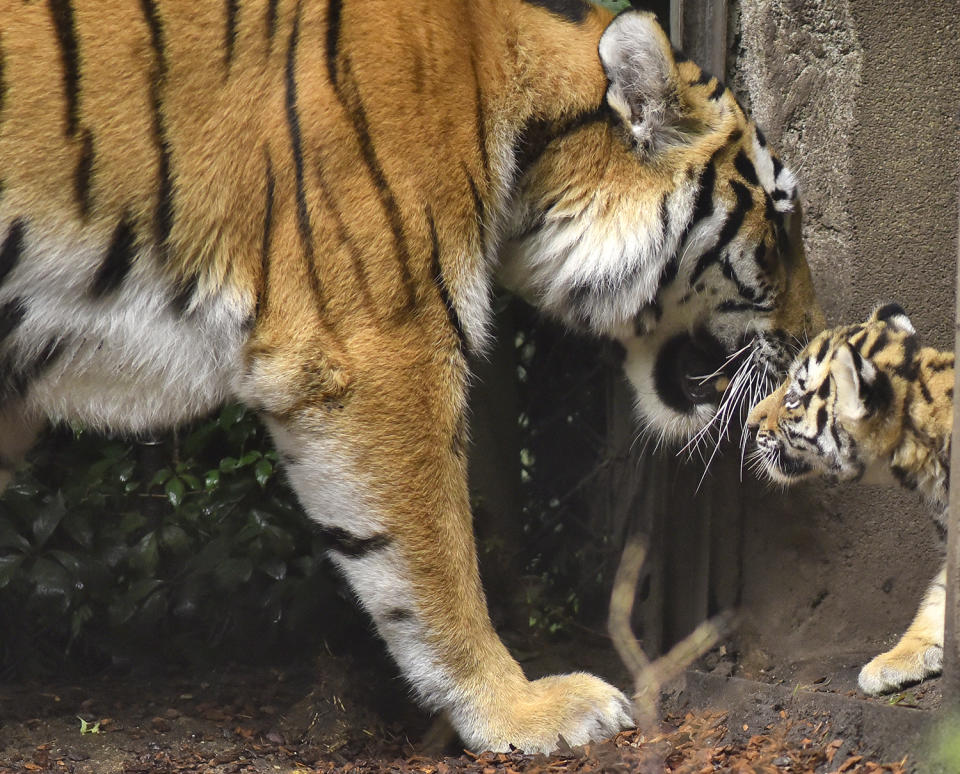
[(481, 123), (663, 215), (761, 139), (83, 173), (730, 228), (265, 243), (717, 90), (63, 22), (745, 167), (11, 315), (184, 292), (821, 418), (163, 216), (3, 81), (744, 306), (358, 118), (823, 391), (356, 254), (441, 283), (887, 311), (12, 248), (879, 343), (398, 615), (230, 31), (703, 79), (777, 167), (538, 134), (573, 11), (296, 145), (270, 21), (478, 207), (822, 350), (14, 382), (116, 266), (152, 17), (924, 390), (352, 546), (334, 10)]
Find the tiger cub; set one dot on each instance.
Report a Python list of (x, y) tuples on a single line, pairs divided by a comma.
[(863, 396)]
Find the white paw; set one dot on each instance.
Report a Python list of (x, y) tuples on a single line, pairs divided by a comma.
[(579, 707), (895, 668)]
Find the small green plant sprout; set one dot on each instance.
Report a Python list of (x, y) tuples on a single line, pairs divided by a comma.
[(88, 728)]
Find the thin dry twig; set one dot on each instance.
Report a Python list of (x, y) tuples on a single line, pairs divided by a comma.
[(649, 677)]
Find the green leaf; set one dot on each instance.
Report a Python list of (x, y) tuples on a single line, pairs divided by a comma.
[(228, 464), (190, 480), (77, 526), (212, 480), (275, 568), (145, 554), (8, 567), (50, 579), (249, 458), (160, 476), (49, 516), (230, 415), (175, 538), (262, 472), (233, 572), (125, 470), (175, 491), (132, 521), (10, 538)]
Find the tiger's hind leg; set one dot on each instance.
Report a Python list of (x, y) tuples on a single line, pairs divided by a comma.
[(919, 653), (18, 431), (374, 446)]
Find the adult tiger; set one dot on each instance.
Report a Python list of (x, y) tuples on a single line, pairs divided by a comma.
[(302, 204)]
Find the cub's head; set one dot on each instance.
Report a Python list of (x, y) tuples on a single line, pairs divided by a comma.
[(831, 416), (662, 217)]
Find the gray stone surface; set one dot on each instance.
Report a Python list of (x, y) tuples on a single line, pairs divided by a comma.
[(862, 98)]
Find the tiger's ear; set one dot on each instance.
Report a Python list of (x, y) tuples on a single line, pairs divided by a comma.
[(895, 317), (638, 60), (854, 378)]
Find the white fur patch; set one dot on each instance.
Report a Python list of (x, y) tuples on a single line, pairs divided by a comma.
[(127, 361)]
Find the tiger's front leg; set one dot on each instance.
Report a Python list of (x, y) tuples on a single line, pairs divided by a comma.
[(374, 440), (919, 653)]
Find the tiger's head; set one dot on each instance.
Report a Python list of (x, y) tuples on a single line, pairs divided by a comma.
[(662, 218), (831, 414)]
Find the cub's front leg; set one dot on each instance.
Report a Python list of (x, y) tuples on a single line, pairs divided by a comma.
[(919, 653), (375, 439)]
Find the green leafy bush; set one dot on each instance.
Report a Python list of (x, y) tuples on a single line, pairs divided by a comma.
[(110, 546)]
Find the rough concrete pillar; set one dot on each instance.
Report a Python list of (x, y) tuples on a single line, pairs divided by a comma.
[(861, 98)]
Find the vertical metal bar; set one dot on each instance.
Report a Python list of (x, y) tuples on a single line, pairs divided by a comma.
[(699, 29), (951, 640)]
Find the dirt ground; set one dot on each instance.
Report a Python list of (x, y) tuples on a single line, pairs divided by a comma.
[(347, 717)]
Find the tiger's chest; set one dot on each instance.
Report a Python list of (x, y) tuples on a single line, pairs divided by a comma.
[(128, 355)]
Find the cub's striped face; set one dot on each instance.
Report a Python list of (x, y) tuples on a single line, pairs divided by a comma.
[(663, 219), (824, 418)]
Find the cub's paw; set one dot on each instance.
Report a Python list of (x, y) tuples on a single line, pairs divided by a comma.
[(906, 663), (579, 707)]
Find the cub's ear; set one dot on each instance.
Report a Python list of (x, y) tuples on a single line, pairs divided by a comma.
[(895, 317), (854, 378), (638, 61)]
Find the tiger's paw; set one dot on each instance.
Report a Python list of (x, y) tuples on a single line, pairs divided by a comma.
[(905, 663), (579, 707)]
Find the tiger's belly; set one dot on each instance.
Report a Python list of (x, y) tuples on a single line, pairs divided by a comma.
[(122, 352)]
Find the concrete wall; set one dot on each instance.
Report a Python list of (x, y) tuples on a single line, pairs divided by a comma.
[(862, 98)]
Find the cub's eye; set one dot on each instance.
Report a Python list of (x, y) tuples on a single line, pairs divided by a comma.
[(792, 401)]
